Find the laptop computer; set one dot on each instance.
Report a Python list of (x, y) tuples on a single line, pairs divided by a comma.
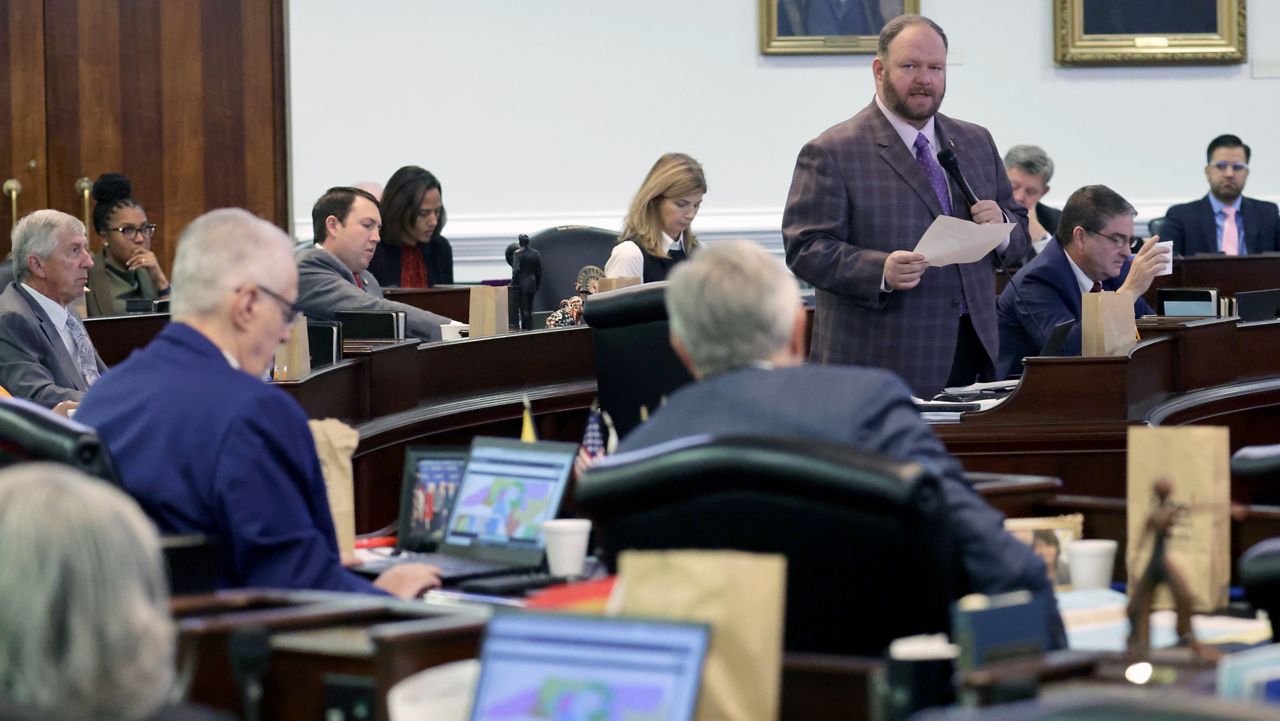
[(508, 490), (553, 665), (432, 475)]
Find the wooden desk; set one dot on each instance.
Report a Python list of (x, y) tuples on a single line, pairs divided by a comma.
[(115, 337), (450, 301), (1229, 274)]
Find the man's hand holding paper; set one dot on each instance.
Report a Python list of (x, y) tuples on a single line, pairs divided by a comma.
[(954, 240)]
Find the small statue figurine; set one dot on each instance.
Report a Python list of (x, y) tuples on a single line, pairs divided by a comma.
[(526, 276), (1161, 569)]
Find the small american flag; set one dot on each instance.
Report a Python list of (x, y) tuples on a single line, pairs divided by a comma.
[(600, 438)]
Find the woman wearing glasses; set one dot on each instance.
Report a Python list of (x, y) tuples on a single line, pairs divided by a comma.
[(413, 253), (126, 268)]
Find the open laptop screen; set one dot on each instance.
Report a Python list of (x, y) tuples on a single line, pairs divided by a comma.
[(508, 491), (432, 475), (544, 666)]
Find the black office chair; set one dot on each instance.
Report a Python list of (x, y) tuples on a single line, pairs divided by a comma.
[(29, 432), (1155, 226), (1259, 573), (635, 365), (866, 539), (565, 251)]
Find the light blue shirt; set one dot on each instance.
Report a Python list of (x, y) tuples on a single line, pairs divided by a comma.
[(1220, 217)]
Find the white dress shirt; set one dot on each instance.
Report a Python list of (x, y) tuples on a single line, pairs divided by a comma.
[(627, 260)]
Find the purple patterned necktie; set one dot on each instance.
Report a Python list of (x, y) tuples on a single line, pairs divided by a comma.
[(933, 171)]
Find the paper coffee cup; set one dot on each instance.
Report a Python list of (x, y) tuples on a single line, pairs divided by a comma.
[(1091, 562), (1168, 266), (566, 545)]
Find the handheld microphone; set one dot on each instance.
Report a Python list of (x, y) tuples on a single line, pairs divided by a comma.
[(947, 158)]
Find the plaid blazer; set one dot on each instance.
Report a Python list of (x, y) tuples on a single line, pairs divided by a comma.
[(857, 195)]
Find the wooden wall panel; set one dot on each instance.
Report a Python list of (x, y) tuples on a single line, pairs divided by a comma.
[(180, 95), (22, 110)]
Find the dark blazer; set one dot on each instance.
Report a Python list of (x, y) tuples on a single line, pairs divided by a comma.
[(205, 448), (1193, 230), (437, 255), (1040, 296), (1050, 218), (325, 286), (99, 301), (857, 195), (867, 409), (34, 361)]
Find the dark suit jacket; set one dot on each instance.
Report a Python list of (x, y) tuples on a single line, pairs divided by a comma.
[(205, 448), (436, 255), (1048, 217), (1192, 228), (34, 362), (1040, 296), (325, 286), (867, 409), (100, 301), (857, 195)]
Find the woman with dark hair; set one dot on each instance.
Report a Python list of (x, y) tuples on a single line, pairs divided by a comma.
[(413, 253), (126, 268)]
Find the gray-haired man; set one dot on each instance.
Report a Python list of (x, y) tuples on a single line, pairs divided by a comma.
[(1030, 169)]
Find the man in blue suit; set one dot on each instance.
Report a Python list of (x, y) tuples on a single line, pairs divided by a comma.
[(1089, 254), (204, 445), (737, 324), (1224, 221)]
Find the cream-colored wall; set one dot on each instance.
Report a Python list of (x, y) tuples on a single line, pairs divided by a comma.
[(539, 113)]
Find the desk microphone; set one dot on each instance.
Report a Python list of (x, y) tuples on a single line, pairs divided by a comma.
[(947, 158)]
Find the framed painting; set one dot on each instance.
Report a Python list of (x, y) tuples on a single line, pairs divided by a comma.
[(1149, 32), (1049, 537), (826, 27)]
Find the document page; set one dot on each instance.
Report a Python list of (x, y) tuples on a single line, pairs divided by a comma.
[(955, 240)]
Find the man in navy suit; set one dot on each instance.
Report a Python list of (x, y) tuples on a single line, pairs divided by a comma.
[(204, 445), (862, 195), (738, 325), (1224, 221), (1090, 254)]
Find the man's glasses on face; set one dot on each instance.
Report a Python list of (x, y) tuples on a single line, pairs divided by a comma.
[(1118, 241), (290, 310), (131, 231), (1222, 165)]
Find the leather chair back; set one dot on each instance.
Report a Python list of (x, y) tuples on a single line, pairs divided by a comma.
[(635, 365), (29, 432), (866, 539), (1155, 226), (565, 251)]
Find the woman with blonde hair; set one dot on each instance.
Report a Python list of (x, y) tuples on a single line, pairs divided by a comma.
[(85, 630), (657, 232)]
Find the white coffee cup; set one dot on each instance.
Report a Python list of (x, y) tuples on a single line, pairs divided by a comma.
[(566, 545), (452, 331), (1091, 562), (1167, 269)]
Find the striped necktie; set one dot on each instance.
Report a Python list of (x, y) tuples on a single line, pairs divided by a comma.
[(84, 349)]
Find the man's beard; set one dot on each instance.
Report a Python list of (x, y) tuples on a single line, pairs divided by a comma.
[(898, 103)]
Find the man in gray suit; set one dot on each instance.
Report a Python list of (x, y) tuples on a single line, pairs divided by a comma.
[(45, 353), (332, 276), (863, 194), (738, 326)]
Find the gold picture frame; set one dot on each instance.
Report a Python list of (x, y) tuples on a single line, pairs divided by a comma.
[(1149, 32), (1060, 531), (785, 26)]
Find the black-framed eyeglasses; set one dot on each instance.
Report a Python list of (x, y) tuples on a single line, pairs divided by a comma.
[(131, 231), (292, 311), (425, 212), (1222, 166), (1118, 241)]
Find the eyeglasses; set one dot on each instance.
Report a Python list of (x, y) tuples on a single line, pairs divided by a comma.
[(131, 231), (1119, 241), (1222, 166), (292, 311), (427, 212)]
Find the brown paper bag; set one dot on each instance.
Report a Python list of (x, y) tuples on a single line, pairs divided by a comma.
[(742, 596), (293, 357), (1196, 460), (1107, 325), (335, 442), (488, 311), (616, 283)]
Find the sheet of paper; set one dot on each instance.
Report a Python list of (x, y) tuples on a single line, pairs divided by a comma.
[(954, 240)]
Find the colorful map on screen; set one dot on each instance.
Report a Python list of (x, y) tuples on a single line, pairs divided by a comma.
[(573, 700)]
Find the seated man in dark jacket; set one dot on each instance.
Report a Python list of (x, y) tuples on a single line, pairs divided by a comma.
[(1224, 221), (1090, 254), (738, 325)]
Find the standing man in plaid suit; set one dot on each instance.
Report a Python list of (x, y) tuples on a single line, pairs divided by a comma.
[(863, 193)]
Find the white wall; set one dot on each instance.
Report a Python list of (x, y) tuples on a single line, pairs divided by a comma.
[(544, 112)]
